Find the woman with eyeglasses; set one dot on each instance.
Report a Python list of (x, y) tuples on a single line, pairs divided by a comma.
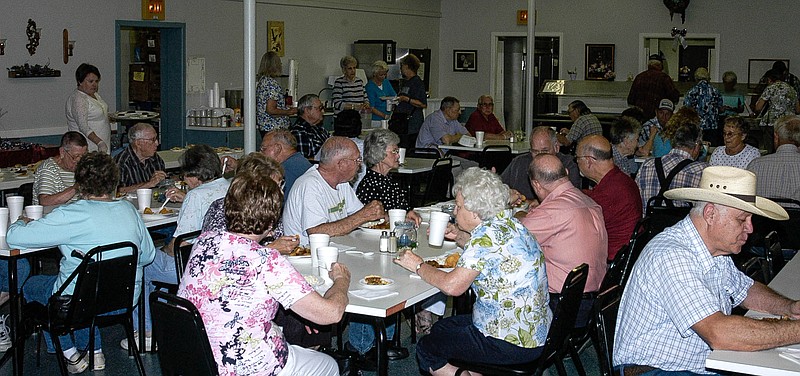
[(735, 153), (381, 155)]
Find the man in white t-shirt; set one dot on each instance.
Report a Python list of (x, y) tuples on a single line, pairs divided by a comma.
[(322, 200)]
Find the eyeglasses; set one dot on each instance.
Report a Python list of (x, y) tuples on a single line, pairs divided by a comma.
[(486, 105), (395, 151), (578, 157), (320, 107), (357, 160), (730, 134), (74, 158), (154, 139)]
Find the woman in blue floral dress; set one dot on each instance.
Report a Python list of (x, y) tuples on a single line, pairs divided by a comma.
[(503, 264), (272, 112)]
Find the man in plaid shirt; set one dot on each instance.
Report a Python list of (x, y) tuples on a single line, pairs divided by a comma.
[(308, 129)]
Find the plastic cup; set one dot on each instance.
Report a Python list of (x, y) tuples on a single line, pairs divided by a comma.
[(479, 137), (437, 228), (34, 211), (385, 124), (402, 155), (314, 242), (3, 221), (144, 196), (15, 205), (327, 256), (396, 215)]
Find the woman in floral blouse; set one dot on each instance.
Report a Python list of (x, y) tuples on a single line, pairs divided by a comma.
[(238, 285), (272, 112), (504, 266)]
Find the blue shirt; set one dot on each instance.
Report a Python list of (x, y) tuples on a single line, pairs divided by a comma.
[(293, 167), (374, 93), (436, 126), (707, 101)]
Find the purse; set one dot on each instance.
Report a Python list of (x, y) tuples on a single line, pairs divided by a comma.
[(398, 123)]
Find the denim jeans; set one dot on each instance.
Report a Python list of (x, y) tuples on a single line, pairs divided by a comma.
[(163, 270), (39, 288), (23, 271), (362, 335)]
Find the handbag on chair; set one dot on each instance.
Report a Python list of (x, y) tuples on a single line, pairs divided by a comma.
[(398, 123)]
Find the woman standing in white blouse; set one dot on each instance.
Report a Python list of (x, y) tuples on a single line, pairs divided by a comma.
[(87, 112)]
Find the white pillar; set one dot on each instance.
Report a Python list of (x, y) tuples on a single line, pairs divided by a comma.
[(249, 76), (529, 88)]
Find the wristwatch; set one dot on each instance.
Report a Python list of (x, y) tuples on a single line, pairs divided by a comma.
[(416, 270)]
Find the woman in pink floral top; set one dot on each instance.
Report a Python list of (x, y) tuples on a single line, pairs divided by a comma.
[(237, 285)]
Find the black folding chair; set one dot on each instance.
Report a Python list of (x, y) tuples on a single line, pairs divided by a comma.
[(557, 344), (497, 156), (606, 308), (183, 342), (437, 187), (103, 295), (622, 265), (662, 217)]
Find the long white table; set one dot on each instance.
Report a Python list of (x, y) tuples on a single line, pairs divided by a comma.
[(172, 158), (767, 362), (12, 180), (418, 165), (519, 147)]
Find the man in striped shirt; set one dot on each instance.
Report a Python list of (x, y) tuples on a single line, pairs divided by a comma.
[(139, 165), (54, 182)]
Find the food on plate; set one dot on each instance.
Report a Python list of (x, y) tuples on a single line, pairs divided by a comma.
[(434, 263), (452, 260), (375, 280), (120, 194), (380, 226), (148, 211), (775, 319), (165, 211), (300, 251), (521, 201)]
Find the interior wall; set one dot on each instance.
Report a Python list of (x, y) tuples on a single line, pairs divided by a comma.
[(747, 30)]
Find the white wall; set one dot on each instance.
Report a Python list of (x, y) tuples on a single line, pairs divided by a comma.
[(747, 30), (317, 33)]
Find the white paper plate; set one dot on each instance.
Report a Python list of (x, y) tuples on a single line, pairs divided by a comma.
[(153, 217), (372, 231), (364, 284)]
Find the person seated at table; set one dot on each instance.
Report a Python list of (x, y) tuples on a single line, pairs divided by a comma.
[(348, 90), (442, 126), (139, 165), (54, 181), (308, 129), (348, 124), (624, 136), (202, 172), (281, 146), (238, 285), (322, 200), (584, 124), (484, 120), (676, 307), (378, 87), (734, 152), (96, 219), (497, 247), (651, 128)]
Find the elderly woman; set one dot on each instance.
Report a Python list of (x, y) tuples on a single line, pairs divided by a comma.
[(497, 247), (272, 112), (54, 182), (707, 101), (96, 219), (412, 98), (379, 87), (238, 285), (348, 90), (624, 136), (87, 112), (381, 155), (735, 153)]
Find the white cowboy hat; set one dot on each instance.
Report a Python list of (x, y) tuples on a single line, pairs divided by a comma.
[(730, 186)]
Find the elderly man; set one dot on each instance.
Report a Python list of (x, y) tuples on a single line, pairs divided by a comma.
[(484, 120), (677, 305), (651, 127), (281, 146), (139, 165), (308, 130), (322, 200), (677, 169), (615, 192), (543, 141), (54, 182), (584, 124), (442, 126), (707, 101), (651, 86), (569, 228), (778, 174), (624, 133)]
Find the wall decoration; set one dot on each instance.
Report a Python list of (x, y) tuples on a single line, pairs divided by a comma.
[(465, 60), (600, 62), (33, 36), (677, 6), (275, 40)]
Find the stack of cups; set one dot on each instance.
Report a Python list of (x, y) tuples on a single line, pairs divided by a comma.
[(315, 241), (15, 206), (396, 215), (437, 228), (479, 137), (327, 256), (144, 196)]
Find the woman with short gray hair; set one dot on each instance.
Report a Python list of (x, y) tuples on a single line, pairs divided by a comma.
[(379, 87), (348, 90), (381, 155), (497, 247)]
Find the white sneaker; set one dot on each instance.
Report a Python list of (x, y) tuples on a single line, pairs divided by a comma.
[(99, 361), (77, 363), (148, 341), (5, 334)]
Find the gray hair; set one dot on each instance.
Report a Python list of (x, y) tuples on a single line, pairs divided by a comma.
[(379, 66), (375, 145), (483, 192), (788, 129), (284, 136), (270, 65), (729, 76), (347, 60), (305, 103), (701, 74), (137, 131), (546, 130), (333, 149), (201, 162), (624, 128), (448, 102), (687, 136), (699, 206), (542, 173)]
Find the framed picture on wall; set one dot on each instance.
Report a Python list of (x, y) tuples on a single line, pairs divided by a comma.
[(465, 60), (275, 37), (600, 62)]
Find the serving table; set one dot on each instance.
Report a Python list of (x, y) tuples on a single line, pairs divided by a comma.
[(767, 362)]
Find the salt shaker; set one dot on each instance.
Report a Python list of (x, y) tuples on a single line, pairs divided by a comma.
[(384, 242)]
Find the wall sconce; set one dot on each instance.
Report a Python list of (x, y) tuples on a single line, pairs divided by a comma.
[(522, 17), (67, 45), (3, 46), (153, 9)]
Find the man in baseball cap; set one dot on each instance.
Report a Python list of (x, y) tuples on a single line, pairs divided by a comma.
[(651, 127), (677, 306)]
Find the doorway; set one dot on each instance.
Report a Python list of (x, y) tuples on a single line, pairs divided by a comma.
[(160, 83), (701, 51)]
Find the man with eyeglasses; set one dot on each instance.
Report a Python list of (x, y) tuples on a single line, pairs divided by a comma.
[(308, 129), (442, 126), (139, 165), (483, 120), (584, 124), (322, 201), (281, 146), (54, 182)]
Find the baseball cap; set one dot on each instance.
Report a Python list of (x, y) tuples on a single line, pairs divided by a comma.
[(666, 104), (655, 57)]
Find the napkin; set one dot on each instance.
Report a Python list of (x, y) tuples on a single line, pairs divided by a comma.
[(373, 294), (341, 247)]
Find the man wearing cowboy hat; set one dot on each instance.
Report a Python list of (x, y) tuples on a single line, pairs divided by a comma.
[(677, 306)]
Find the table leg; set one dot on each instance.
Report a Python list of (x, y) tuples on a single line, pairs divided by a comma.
[(14, 301), (381, 345)]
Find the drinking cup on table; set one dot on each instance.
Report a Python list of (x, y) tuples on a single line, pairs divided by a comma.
[(385, 124), (394, 216), (34, 211), (15, 205), (3, 221), (402, 152), (437, 228), (479, 137), (327, 256), (144, 197), (315, 241)]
